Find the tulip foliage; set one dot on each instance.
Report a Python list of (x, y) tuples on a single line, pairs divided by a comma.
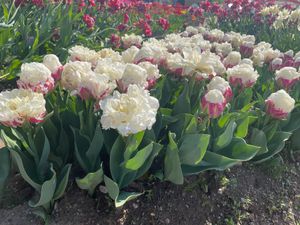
[(187, 103)]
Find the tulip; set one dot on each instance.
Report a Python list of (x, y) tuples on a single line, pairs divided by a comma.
[(279, 104), (213, 103)]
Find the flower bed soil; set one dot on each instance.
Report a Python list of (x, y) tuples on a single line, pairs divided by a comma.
[(244, 195)]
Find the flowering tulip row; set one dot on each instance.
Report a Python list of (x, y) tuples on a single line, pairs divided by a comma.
[(189, 102)]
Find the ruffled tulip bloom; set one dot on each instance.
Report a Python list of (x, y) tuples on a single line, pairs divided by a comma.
[(246, 49), (133, 74), (129, 112), (52, 62), (242, 75), (233, 59), (96, 86), (20, 105), (287, 77), (218, 83), (80, 53), (276, 64), (152, 74), (37, 77), (213, 103), (132, 40), (279, 104)]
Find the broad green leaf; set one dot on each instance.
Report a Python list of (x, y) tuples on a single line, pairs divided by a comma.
[(27, 168), (120, 198), (275, 145), (116, 158), (183, 104), (46, 192), (259, 138), (193, 148), (295, 140), (242, 128), (90, 181), (192, 126), (293, 122), (225, 138), (93, 153), (10, 143), (62, 181), (271, 129), (44, 163), (112, 188), (224, 119), (5, 165), (182, 121), (172, 165), (81, 145), (132, 143), (145, 167), (125, 197), (211, 161), (139, 159), (239, 150)]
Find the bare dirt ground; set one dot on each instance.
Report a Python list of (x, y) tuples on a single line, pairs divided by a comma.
[(248, 194)]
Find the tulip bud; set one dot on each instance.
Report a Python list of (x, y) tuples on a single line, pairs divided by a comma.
[(287, 77), (37, 77), (276, 64), (233, 59), (52, 62), (242, 75), (218, 83), (213, 103), (279, 104)]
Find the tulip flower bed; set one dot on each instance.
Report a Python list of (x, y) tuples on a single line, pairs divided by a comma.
[(186, 103)]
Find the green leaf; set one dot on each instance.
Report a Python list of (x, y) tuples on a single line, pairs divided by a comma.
[(139, 159), (10, 143), (242, 128), (36, 39), (239, 150), (43, 163), (93, 153), (259, 138), (132, 143), (192, 126), (5, 165), (182, 122), (112, 188), (116, 158), (295, 140), (114, 192), (81, 145), (172, 165), (5, 11), (271, 129), (224, 119), (62, 181), (125, 197), (225, 138), (90, 181), (183, 104), (211, 161), (275, 145), (193, 148), (145, 167), (27, 168), (46, 192), (293, 122)]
